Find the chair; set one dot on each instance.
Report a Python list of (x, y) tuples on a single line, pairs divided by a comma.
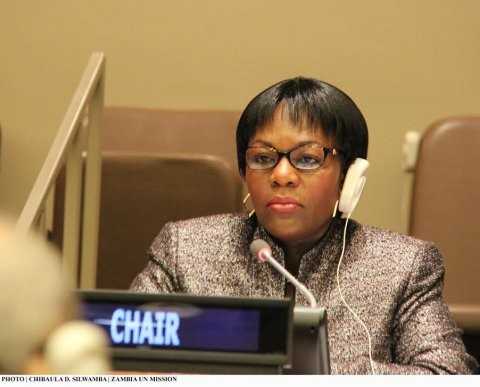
[(445, 209)]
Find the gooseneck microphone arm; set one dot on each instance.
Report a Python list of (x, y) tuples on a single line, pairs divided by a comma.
[(260, 249)]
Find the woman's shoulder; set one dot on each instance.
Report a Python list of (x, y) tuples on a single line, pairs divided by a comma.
[(384, 237), (392, 246), (212, 224), (206, 229), (209, 239)]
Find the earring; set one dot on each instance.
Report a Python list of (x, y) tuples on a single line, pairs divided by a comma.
[(244, 202), (335, 209)]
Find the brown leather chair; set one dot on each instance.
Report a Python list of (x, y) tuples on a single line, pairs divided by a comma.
[(445, 210), (142, 192)]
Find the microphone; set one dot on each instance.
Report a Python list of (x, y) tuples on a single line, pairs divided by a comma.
[(263, 252)]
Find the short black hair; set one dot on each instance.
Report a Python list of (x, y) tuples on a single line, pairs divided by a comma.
[(310, 103)]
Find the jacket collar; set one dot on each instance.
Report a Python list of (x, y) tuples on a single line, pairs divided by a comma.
[(320, 257)]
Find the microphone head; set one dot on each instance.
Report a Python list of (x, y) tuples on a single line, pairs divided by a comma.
[(257, 246)]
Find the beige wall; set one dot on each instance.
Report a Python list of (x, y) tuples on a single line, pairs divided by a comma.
[(406, 63)]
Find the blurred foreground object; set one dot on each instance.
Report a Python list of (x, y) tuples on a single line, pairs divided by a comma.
[(37, 308), (78, 347)]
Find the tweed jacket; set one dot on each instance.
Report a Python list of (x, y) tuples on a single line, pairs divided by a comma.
[(393, 282)]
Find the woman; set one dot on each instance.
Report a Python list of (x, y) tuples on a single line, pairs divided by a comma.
[(295, 143)]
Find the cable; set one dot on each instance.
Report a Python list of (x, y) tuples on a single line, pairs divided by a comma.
[(345, 302)]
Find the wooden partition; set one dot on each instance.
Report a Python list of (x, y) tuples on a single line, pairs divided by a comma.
[(79, 135)]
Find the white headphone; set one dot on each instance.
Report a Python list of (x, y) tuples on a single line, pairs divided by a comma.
[(351, 191), (352, 187)]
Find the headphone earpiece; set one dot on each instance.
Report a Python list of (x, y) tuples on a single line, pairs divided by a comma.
[(353, 186)]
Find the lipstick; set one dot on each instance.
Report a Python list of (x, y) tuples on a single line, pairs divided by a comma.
[(283, 205)]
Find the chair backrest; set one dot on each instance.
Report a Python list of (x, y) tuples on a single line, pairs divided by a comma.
[(141, 130), (445, 209), (142, 192)]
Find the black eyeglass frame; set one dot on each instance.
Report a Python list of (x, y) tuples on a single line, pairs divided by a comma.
[(326, 151)]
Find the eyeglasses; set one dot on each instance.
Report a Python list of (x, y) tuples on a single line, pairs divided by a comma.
[(303, 157)]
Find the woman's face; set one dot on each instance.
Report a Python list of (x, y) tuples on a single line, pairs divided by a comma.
[(294, 206)]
